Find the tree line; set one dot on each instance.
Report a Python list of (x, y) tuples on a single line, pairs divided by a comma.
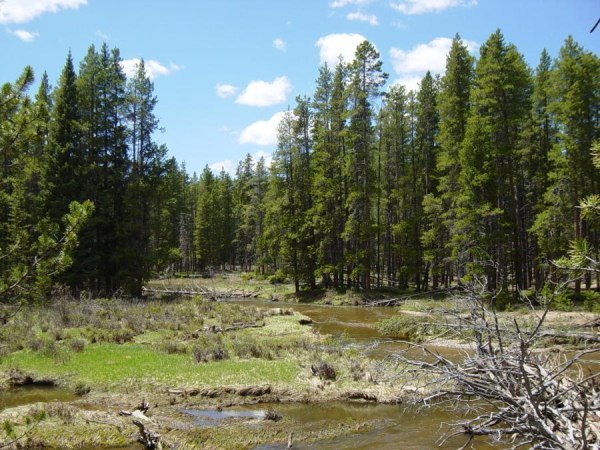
[(480, 171)]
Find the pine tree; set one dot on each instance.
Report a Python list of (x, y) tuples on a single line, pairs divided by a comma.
[(329, 183), (571, 122), (453, 106), (489, 201), (366, 80)]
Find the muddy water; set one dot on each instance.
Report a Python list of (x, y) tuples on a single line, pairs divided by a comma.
[(393, 426), (32, 394), (357, 324), (397, 427)]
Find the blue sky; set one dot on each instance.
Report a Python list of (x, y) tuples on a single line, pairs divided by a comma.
[(225, 70)]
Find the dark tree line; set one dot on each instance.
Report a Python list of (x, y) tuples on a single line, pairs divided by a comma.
[(479, 171)]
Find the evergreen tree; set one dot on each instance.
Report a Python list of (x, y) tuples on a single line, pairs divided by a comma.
[(453, 107), (490, 206), (329, 183), (367, 78)]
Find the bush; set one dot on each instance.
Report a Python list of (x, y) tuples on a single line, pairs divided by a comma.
[(250, 347), (59, 353), (209, 348), (591, 301), (278, 277), (562, 302), (77, 344), (173, 347), (203, 354), (82, 389), (323, 370)]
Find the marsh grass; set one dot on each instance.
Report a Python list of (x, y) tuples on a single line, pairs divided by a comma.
[(112, 365), (110, 343)]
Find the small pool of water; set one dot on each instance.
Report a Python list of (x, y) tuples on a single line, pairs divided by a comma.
[(25, 395), (212, 417)]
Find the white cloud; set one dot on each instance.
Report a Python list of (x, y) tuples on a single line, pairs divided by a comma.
[(230, 167), (262, 132), (369, 18), (342, 3), (411, 7), (262, 154), (424, 57), (280, 44), (226, 90), (412, 65), (25, 36), (21, 11), (226, 165), (263, 93), (153, 67), (102, 35), (411, 83), (334, 45)]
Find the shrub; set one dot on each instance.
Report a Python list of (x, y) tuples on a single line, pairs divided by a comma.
[(174, 347), (82, 389), (209, 348), (272, 415), (278, 277), (203, 354), (249, 347), (77, 344), (591, 301), (59, 353), (323, 370), (562, 302)]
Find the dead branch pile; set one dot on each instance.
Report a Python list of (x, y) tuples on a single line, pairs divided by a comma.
[(528, 398)]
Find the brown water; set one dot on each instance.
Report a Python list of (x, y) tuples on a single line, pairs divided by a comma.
[(358, 325), (393, 426), (32, 394)]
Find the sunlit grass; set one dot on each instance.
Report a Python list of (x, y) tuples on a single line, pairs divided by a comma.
[(112, 364)]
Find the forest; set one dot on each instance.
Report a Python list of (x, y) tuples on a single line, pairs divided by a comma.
[(482, 171)]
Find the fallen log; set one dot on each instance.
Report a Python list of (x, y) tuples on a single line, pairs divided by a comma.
[(387, 302), (241, 326)]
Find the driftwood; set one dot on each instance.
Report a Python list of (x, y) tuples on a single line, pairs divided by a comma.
[(148, 438), (387, 302), (534, 399), (233, 327)]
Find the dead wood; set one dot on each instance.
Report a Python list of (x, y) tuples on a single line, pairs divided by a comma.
[(528, 398), (148, 438)]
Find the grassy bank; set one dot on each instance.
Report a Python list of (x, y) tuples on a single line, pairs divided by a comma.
[(176, 353)]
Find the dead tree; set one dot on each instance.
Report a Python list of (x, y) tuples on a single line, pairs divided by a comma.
[(516, 394)]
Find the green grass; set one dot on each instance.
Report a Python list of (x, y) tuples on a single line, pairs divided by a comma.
[(112, 365)]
